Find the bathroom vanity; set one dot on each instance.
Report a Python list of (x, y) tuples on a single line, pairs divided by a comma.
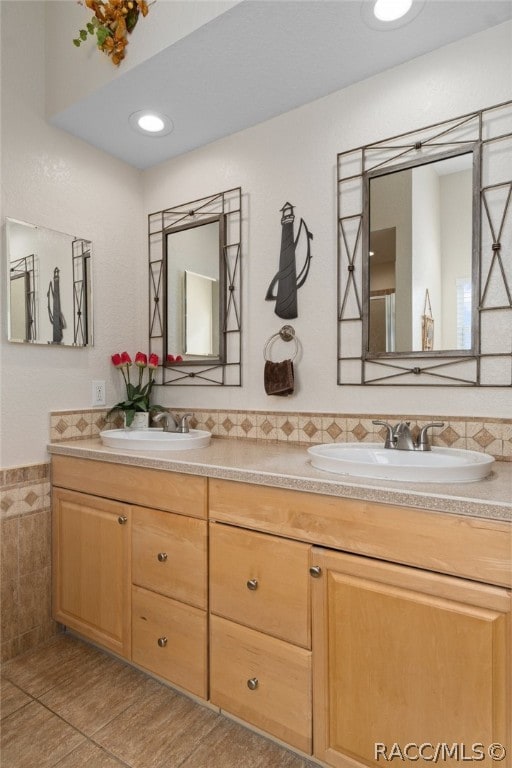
[(331, 615)]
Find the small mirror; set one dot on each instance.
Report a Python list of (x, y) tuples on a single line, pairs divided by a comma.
[(49, 296), (420, 286), (195, 291)]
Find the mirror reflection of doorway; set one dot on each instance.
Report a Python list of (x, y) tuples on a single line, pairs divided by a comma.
[(382, 322)]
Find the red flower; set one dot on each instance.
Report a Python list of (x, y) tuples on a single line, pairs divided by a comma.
[(116, 360), (153, 361), (141, 360), (125, 358), (179, 359), (170, 358)]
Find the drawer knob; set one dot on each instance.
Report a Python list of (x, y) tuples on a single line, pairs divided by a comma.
[(162, 642), (315, 571), (122, 519), (252, 584), (162, 557), (252, 683)]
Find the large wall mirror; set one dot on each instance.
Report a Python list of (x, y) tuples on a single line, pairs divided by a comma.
[(194, 286), (49, 286), (424, 245)]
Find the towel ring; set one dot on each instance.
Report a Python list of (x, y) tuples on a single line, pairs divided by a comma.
[(286, 333)]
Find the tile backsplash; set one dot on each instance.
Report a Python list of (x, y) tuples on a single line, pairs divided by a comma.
[(492, 436)]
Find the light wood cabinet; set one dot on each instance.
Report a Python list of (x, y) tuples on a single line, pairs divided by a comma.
[(262, 680), (406, 656), (169, 597), (334, 625), (169, 555), (170, 639), (103, 545), (260, 636), (91, 567), (261, 581)]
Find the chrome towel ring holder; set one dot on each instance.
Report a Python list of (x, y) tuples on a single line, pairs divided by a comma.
[(286, 333)]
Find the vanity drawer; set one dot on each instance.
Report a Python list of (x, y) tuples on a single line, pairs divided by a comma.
[(261, 581), (262, 680), (170, 639), (172, 491), (169, 554)]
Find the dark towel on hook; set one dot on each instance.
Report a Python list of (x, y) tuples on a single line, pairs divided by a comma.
[(279, 378)]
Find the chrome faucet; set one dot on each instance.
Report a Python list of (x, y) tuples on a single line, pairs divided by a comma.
[(173, 423), (400, 436), (170, 423)]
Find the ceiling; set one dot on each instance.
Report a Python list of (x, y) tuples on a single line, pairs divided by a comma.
[(257, 60)]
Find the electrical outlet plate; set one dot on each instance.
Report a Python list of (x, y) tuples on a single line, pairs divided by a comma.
[(98, 393)]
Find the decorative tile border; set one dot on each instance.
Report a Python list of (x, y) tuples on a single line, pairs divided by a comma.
[(492, 436), (24, 490)]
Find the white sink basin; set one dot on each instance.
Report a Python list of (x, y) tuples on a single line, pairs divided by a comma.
[(154, 439), (440, 465)]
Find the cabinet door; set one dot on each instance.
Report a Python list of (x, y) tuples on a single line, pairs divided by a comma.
[(406, 657), (261, 581), (169, 554), (91, 568)]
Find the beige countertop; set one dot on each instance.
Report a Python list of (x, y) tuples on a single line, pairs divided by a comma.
[(286, 466)]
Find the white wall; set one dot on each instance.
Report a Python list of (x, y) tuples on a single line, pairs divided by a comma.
[(293, 158), (54, 180)]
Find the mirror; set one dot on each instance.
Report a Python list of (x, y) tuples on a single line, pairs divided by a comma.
[(432, 305), (49, 294), (195, 290), (195, 297), (419, 292)]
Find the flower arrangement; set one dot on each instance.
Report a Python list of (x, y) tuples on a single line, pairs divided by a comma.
[(113, 20), (137, 395)]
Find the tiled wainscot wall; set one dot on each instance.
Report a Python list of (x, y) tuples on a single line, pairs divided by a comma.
[(25, 559), (25, 491)]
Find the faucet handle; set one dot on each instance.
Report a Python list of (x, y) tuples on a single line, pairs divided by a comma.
[(390, 437), (183, 426), (422, 444)]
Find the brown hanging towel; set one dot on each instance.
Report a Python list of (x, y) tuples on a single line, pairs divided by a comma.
[(279, 378)]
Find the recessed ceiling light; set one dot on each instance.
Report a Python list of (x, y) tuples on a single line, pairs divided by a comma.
[(151, 123), (390, 10), (390, 14)]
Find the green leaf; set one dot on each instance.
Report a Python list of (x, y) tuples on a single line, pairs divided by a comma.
[(131, 19), (83, 34), (77, 42), (102, 33), (90, 28)]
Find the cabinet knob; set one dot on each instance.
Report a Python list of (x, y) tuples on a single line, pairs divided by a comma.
[(162, 642), (122, 519), (252, 683), (315, 571), (252, 584), (162, 557)]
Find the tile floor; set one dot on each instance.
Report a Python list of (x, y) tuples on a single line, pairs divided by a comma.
[(67, 705)]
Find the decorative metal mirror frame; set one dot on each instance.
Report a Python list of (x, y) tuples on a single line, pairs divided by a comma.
[(486, 133), (226, 370), (82, 311)]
